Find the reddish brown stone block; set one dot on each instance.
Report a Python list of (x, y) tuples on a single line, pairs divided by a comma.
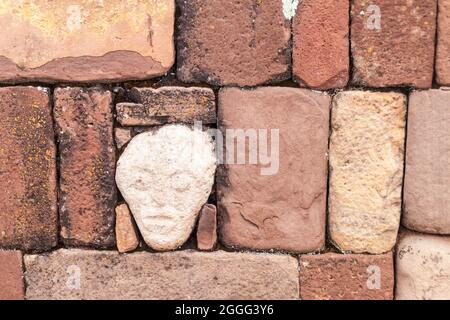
[(443, 44), (393, 42), (321, 44), (334, 276), (277, 203), (126, 231), (245, 43), (28, 219), (207, 228), (168, 105), (11, 276), (87, 187)]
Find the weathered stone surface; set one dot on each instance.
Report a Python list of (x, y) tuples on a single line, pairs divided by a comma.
[(321, 44), (279, 203), (85, 40), (174, 275), (11, 277), (166, 176), (87, 161), (423, 267), (168, 105), (366, 160), (245, 43), (122, 136), (427, 180), (28, 218), (393, 42), (126, 231), (443, 44), (334, 276), (207, 228)]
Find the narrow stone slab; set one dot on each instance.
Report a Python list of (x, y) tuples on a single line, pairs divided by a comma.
[(334, 276), (443, 44), (85, 40), (366, 162), (11, 276), (244, 43), (393, 42), (427, 180), (167, 105), (423, 267), (78, 274), (126, 232), (87, 188), (321, 44), (28, 218), (275, 199), (207, 228)]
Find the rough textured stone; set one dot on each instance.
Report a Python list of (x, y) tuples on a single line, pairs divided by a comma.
[(87, 161), (423, 267), (426, 193), (11, 277), (443, 44), (166, 177), (399, 51), (28, 218), (126, 231), (286, 209), (207, 228), (347, 277), (321, 44), (245, 43), (122, 136), (85, 40), (174, 275), (366, 161), (168, 105)]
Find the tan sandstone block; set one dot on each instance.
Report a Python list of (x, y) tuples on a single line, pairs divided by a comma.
[(126, 232), (366, 160)]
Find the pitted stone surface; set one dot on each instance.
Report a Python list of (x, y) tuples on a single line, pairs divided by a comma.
[(443, 44), (11, 276), (166, 176)]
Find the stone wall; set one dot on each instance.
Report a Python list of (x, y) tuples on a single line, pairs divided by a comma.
[(210, 149)]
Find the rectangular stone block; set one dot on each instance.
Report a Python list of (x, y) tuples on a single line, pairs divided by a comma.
[(243, 43), (78, 274), (207, 228), (84, 122), (167, 105), (28, 218), (321, 44), (11, 276), (85, 40), (393, 42), (366, 163), (443, 44), (272, 188), (334, 276), (423, 267), (427, 180)]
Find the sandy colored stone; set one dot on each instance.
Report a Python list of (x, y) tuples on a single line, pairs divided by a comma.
[(244, 43), (443, 44), (85, 40), (399, 51), (427, 180), (171, 275), (11, 276), (28, 218), (166, 176), (270, 206), (334, 276), (321, 44), (122, 136), (167, 105), (87, 200), (423, 267), (207, 228), (126, 232), (366, 162)]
